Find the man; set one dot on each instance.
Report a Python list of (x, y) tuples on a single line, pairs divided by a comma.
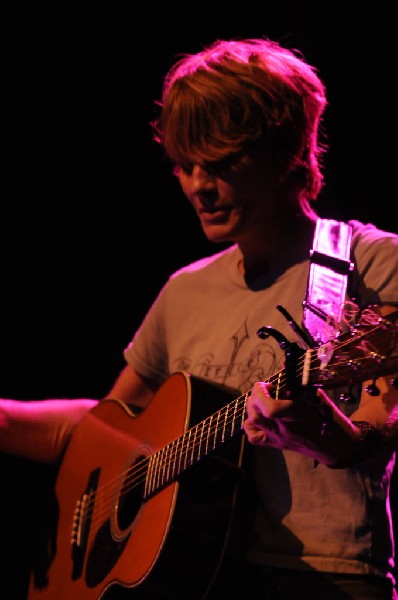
[(240, 123)]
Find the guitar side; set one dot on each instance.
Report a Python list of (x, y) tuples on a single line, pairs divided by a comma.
[(170, 544)]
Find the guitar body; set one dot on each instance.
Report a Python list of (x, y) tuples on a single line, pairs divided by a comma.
[(143, 504), (166, 545)]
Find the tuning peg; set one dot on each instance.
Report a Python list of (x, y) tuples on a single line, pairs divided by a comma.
[(348, 398)]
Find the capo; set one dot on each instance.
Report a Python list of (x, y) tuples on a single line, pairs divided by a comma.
[(305, 339), (292, 353)]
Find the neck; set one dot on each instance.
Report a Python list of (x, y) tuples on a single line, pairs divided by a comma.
[(277, 249)]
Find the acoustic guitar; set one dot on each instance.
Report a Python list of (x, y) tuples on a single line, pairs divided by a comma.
[(143, 502)]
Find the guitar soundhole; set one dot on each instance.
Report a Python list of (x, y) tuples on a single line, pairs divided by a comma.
[(109, 543), (132, 493)]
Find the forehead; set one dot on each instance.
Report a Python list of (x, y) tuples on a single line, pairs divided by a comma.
[(250, 163)]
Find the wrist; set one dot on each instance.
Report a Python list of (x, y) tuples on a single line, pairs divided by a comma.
[(368, 442)]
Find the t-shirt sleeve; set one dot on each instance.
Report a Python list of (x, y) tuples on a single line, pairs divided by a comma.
[(375, 277), (147, 351)]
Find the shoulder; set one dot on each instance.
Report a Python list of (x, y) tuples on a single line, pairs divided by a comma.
[(212, 263), (207, 277), (368, 235), (371, 245), (375, 257), (197, 277)]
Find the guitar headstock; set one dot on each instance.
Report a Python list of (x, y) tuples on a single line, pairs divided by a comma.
[(367, 351)]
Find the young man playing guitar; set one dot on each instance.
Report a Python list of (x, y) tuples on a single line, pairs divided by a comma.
[(299, 507)]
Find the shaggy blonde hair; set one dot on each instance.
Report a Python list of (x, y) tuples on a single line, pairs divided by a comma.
[(236, 95)]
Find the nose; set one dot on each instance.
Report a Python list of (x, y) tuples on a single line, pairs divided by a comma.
[(201, 179)]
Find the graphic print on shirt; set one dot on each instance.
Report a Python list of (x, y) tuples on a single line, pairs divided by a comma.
[(246, 364)]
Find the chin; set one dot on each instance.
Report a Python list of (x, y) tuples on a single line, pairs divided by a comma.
[(218, 234)]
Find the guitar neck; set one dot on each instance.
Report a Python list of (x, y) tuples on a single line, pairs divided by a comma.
[(367, 351), (199, 441)]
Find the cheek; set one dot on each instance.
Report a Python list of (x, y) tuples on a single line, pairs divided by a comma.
[(182, 179), (186, 187)]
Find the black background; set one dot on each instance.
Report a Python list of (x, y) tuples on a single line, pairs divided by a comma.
[(92, 221)]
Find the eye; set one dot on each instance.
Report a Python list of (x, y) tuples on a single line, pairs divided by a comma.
[(224, 167), (186, 168)]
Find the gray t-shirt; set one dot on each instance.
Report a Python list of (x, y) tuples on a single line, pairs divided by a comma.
[(205, 321)]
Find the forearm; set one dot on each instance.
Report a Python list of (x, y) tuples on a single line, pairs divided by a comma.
[(377, 418), (350, 441), (339, 437), (39, 430)]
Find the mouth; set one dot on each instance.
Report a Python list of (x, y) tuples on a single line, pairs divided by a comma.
[(215, 210), (215, 214)]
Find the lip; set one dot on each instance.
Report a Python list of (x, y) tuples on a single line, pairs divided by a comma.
[(214, 210), (215, 215)]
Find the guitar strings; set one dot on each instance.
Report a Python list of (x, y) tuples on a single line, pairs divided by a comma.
[(159, 466), (141, 468)]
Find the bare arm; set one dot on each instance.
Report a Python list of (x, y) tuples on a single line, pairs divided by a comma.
[(131, 388), (40, 429)]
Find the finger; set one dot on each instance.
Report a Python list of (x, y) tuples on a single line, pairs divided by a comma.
[(254, 434)]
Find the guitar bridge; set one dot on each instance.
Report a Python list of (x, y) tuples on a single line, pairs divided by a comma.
[(81, 525)]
